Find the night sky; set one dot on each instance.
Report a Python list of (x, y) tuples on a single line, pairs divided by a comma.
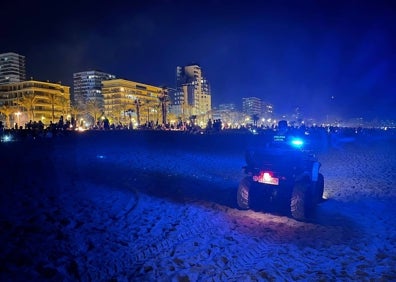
[(326, 57)]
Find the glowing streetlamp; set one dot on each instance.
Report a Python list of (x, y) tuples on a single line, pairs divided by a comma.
[(129, 113), (18, 115)]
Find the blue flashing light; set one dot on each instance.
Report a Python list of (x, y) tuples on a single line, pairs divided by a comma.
[(297, 142), (6, 138)]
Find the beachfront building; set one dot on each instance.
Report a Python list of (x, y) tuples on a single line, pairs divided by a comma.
[(229, 116), (133, 103), (267, 111), (257, 111), (192, 98), (87, 87), (251, 106), (33, 100), (12, 68)]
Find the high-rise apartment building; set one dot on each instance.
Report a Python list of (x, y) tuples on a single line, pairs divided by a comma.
[(229, 115), (87, 86), (12, 68), (227, 107), (193, 96), (267, 110), (252, 106)]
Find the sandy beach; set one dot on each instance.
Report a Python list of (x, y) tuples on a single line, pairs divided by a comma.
[(108, 206)]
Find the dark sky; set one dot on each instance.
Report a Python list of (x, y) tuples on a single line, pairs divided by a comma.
[(323, 56)]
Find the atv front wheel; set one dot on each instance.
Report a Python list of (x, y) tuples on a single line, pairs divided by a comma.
[(243, 193), (298, 203)]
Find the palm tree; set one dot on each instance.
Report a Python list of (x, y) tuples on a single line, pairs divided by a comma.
[(64, 104), (157, 112), (124, 108), (74, 112), (138, 104), (192, 119), (7, 111), (28, 102), (116, 113), (164, 100), (53, 101), (146, 107), (255, 118), (94, 110), (171, 117)]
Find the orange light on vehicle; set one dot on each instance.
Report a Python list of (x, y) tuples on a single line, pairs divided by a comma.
[(267, 176)]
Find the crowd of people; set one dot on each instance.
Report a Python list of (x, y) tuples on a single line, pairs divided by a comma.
[(328, 135)]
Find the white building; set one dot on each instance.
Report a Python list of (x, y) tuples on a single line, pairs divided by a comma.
[(87, 86), (12, 68), (252, 106)]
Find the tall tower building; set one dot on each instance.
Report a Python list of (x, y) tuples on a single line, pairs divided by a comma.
[(12, 68), (252, 106), (267, 110), (87, 86), (193, 97)]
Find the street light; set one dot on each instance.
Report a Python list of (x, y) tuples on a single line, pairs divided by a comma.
[(17, 115), (129, 112)]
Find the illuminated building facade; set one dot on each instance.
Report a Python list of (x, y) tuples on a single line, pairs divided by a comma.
[(252, 106), (12, 68), (193, 95), (87, 86), (267, 110), (133, 102), (35, 100), (227, 107), (229, 115)]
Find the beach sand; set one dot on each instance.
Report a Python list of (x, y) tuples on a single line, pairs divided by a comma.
[(162, 207)]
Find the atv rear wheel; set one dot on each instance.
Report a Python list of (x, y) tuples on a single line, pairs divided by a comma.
[(298, 203), (243, 193)]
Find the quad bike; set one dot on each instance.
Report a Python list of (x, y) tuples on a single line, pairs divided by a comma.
[(282, 174)]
